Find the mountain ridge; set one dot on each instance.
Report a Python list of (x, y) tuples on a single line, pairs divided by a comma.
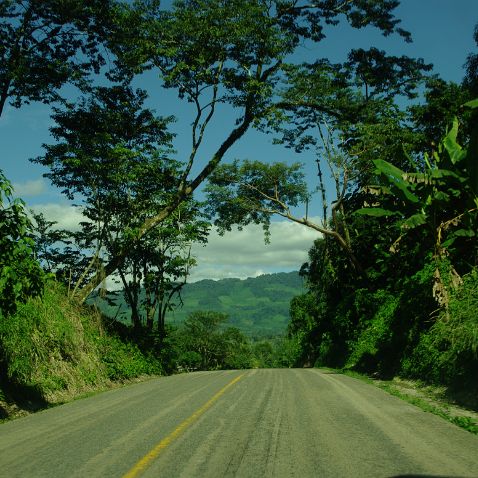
[(258, 306)]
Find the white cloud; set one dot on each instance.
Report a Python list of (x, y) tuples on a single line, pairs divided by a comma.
[(237, 254), (243, 253), (34, 187), (67, 216)]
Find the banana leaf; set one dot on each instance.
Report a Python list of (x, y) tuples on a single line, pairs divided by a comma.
[(414, 221), (375, 212), (395, 177)]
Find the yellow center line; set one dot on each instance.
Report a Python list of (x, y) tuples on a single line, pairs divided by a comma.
[(144, 462)]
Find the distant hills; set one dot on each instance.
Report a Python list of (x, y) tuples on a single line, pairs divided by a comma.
[(258, 306)]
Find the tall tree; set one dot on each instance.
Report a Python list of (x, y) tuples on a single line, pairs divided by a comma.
[(159, 265), (111, 156), (347, 114), (225, 53)]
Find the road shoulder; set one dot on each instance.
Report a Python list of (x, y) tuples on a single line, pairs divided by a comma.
[(430, 398)]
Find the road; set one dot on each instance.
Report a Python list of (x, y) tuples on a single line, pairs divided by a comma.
[(256, 423)]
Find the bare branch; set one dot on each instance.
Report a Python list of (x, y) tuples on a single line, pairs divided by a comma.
[(198, 140), (274, 199)]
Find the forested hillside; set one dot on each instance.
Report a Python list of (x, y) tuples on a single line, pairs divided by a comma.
[(257, 306)]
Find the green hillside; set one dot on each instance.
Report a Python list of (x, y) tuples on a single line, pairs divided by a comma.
[(258, 306)]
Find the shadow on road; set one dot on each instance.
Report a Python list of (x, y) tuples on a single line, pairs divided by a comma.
[(19, 397)]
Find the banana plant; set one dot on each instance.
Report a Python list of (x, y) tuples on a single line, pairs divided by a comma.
[(441, 199)]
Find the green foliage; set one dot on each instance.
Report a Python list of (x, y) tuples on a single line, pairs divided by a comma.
[(49, 347), (286, 353), (302, 327), (263, 352), (441, 201), (237, 349), (111, 155), (471, 78), (124, 360), (42, 44), (20, 274), (158, 267), (205, 344), (414, 313), (448, 351), (251, 191), (210, 52), (376, 333), (53, 246), (108, 144), (414, 233), (53, 350), (444, 101)]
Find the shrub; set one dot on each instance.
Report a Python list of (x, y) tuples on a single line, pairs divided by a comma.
[(376, 333), (20, 274), (124, 360), (49, 346), (448, 352)]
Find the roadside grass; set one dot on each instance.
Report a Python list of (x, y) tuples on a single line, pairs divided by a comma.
[(53, 351), (429, 398), (443, 410)]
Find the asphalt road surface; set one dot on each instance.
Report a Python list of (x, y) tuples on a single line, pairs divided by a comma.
[(255, 423)]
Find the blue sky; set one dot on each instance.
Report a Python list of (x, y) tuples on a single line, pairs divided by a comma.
[(442, 32)]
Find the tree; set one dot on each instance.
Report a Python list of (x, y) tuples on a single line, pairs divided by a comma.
[(53, 246), (214, 52), (44, 45), (346, 113), (200, 335), (158, 267), (110, 156), (20, 274), (414, 230), (252, 192), (471, 78), (443, 102), (206, 345), (237, 351)]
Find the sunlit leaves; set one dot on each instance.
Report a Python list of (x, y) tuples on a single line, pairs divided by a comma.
[(251, 191), (375, 212), (395, 178), (440, 199)]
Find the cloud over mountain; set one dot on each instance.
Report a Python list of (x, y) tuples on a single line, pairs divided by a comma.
[(244, 253)]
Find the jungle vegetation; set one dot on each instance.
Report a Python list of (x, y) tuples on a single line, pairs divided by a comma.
[(392, 278)]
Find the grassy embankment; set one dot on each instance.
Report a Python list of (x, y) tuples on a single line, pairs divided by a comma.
[(53, 351)]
